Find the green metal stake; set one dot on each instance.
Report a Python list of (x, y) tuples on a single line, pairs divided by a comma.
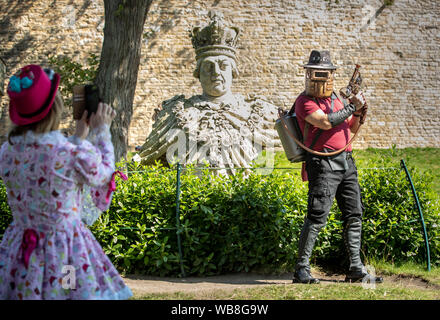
[(428, 258), (179, 243)]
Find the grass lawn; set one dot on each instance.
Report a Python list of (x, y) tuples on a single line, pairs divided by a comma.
[(408, 269), (424, 159), (404, 282), (340, 291)]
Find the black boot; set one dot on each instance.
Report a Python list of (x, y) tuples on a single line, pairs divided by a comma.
[(307, 239), (362, 275), (303, 275), (352, 238)]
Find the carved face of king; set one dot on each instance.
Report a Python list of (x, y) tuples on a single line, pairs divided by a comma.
[(216, 74)]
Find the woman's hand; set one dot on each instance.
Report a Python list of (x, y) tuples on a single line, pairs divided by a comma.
[(103, 116), (82, 127)]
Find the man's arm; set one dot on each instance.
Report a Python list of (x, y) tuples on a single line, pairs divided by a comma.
[(327, 121), (319, 119), (353, 122)]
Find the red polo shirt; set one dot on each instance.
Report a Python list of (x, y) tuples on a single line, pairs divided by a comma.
[(334, 138)]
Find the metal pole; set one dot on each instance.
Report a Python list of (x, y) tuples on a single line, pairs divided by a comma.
[(179, 244), (428, 258)]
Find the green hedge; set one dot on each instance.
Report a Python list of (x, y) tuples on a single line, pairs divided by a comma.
[(5, 211), (252, 223)]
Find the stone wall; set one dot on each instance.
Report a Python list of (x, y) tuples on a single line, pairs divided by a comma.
[(397, 45)]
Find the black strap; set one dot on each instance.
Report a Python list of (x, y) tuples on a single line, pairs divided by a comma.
[(334, 97), (292, 110), (318, 134)]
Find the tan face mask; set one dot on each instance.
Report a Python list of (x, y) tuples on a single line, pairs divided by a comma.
[(319, 83)]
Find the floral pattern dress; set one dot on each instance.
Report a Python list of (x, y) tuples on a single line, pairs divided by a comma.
[(48, 252)]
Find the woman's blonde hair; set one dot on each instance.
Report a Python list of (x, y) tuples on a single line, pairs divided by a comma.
[(49, 123)]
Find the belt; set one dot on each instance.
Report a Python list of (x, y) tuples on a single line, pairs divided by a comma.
[(348, 154), (28, 245)]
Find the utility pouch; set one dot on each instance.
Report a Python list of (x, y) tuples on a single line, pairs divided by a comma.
[(337, 162)]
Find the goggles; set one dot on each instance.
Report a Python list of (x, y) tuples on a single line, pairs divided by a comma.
[(319, 75)]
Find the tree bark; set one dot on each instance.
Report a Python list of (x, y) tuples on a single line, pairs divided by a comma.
[(119, 64), (2, 76), (4, 112)]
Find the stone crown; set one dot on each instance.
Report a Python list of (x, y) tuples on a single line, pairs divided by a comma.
[(216, 38)]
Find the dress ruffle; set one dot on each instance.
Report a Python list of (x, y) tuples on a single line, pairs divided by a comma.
[(68, 263), (53, 183)]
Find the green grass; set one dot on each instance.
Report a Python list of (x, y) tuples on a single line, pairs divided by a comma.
[(394, 288), (334, 291), (424, 159), (407, 269), (341, 291)]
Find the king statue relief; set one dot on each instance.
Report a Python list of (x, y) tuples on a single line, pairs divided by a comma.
[(218, 127)]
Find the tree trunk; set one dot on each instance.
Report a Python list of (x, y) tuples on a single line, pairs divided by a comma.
[(3, 76), (4, 112), (119, 64)]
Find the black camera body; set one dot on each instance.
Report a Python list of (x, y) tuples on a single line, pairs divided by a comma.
[(85, 97), (92, 98)]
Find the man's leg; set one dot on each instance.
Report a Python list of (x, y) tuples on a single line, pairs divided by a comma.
[(322, 187), (309, 233), (348, 196)]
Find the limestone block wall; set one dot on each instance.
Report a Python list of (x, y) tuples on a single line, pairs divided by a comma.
[(397, 46)]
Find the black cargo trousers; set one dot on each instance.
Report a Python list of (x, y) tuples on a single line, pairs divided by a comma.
[(326, 184), (330, 178)]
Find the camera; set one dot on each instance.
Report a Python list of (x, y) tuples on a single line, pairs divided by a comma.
[(85, 97)]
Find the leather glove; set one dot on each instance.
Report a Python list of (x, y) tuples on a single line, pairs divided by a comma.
[(336, 118), (358, 100)]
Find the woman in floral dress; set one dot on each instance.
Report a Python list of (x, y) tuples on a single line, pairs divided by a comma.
[(48, 252)]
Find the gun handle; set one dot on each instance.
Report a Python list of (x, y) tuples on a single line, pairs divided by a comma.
[(345, 92)]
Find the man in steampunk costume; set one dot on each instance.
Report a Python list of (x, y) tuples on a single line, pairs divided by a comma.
[(328, 124)]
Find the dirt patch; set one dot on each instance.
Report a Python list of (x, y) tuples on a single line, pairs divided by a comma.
[(409, 281), (148, 285), (143, 285)]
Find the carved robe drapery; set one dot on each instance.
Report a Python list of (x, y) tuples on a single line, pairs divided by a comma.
[(226, 135)]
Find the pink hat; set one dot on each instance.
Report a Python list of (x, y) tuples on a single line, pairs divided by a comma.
[(32, 93)]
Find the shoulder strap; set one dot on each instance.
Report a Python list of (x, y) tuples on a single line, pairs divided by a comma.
[(334, 97), (292, 110), (318, 134)]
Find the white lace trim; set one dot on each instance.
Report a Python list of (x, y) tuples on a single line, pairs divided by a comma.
[(89, 211), (100, 133)]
